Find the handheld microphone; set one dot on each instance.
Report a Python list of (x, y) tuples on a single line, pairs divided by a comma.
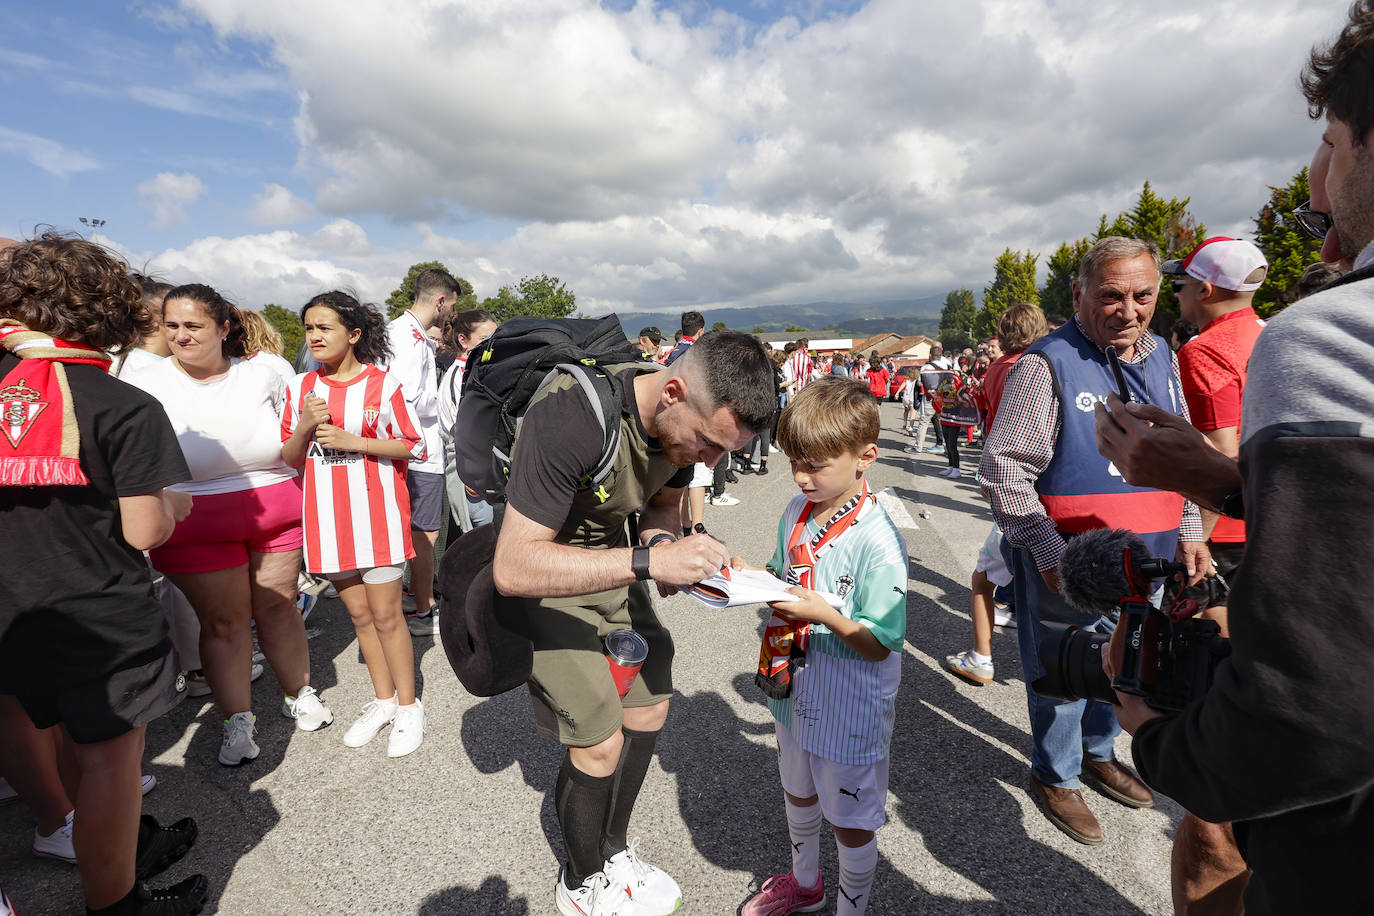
[(1092, 576)]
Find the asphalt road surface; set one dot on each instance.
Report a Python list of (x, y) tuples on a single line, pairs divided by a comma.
[(465, 825)]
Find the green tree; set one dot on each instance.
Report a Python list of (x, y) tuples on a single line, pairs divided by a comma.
[(289, 326), (542, 297), (718, 326), (1013, 281), (1061, 270), (403, 296), (1287, 248), (758, 330), (957, 318), (794, 329)]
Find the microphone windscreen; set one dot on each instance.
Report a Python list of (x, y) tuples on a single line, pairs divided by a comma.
[(1091, 575)]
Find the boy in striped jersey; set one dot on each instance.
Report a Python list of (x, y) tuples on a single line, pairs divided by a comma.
[(834, 713)]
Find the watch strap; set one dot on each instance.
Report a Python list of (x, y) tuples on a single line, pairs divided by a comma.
[(639, 561)]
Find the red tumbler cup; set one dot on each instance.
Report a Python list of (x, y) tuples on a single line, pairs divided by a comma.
[(625, 653)]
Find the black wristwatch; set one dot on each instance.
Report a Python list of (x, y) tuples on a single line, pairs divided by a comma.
[(639, 561), (1232, 505)]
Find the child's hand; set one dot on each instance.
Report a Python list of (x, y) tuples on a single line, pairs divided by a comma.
[(812, 607)]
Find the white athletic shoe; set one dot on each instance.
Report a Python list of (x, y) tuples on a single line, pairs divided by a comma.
[(197, 685), (376, 716), (1002, 616), (724, 499), (407, 730), (596, 896), (954, 474), (310, 714), (58, 844), (7, 792), (652, 890), (6, 908), (147, 783), (330, 591), (238, 743)]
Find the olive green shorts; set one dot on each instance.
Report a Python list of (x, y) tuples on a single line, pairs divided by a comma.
[(575, 700)]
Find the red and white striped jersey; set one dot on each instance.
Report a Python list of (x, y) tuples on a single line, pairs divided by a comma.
[(801, 367), (356, 506)]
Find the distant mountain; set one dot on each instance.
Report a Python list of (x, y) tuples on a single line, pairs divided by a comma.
[(834, 319)]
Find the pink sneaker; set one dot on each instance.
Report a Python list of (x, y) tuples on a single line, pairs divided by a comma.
[(780, 895)]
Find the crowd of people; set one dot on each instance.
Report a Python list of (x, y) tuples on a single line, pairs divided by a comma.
[(211, 492)]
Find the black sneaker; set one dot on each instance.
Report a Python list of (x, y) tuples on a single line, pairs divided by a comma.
[(763, 469), (159, 847), (185, 898)]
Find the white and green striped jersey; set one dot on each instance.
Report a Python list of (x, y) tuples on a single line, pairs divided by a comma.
[(843, 706)]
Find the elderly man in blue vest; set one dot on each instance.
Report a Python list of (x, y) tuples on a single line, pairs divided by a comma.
[(1047, 482)]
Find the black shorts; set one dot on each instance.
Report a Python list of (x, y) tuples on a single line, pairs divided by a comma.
[(107, 707), (1227, 555), (426, 500)]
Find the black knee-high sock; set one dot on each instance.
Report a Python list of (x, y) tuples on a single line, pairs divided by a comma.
[(628, 777), (581, 802)]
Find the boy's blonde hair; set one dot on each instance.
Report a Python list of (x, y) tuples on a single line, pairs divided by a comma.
[(831, 416)]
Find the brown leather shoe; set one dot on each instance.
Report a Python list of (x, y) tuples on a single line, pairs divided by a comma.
[(1066, 809), (1115, 781)]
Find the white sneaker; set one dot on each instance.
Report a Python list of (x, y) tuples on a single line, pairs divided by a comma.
[(954, 474), (305, 603), (197, 685), (724, 499), (376, 716), (310, 714), (330, 591), (1002, 616), (58, 844), (423, 624), (407, 730), (6, 908), (652, 890), (7, 792), (238, 743), (596, 896), (147, 783)]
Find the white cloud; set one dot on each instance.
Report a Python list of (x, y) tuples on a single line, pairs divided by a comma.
[(277, 206), (49, 155), (653, 160), (169, 194)]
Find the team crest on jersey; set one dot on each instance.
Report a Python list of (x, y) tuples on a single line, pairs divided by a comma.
[(844, 585), (20, 405), (370, 415)]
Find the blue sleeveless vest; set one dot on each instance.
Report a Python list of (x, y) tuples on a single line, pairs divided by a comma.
[(1080, 489)]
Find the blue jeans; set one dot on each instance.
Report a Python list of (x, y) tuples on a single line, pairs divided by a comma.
[(1062, 731)]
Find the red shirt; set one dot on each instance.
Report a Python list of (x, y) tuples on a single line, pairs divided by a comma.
[(1212, 367), (877, 382), (993, 381)]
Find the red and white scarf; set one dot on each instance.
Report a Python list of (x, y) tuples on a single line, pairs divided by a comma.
[(40, 445), (784, 640)]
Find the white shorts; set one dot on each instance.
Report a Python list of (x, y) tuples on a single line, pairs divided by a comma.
[(702, 475), (852, 795), (990, 561)]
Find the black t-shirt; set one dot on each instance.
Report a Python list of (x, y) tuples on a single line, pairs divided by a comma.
[(76, 600), (543, 480)]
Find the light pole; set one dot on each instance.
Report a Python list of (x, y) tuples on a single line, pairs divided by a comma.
[(91, 223)]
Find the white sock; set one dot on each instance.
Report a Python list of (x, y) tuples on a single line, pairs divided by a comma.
[(856, 877), (979, 659), (804, 827), (393, 702)]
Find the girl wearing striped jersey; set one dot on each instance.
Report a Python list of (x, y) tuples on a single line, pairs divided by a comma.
[(835, 710), (349, 424)]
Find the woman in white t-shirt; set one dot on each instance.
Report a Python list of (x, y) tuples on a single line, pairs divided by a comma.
[(236, 556), (463, 332), (262, 344)]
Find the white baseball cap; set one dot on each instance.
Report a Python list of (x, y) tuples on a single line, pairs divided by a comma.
[(1223, 262)]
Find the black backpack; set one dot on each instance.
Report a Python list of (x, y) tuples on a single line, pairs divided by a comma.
[(506, 371)]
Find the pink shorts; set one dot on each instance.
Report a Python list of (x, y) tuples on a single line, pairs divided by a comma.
[(224, 528)]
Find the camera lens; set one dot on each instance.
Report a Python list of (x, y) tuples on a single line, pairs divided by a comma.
[(1072, 659)]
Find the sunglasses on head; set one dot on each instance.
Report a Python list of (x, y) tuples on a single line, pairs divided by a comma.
[(1314, 222), (1180, 283)]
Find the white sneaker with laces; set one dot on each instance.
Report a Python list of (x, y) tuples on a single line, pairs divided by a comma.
[(310, 714), (58, 844), (1002, 616), (596, 896), (407, 730), (238, 743), (197, 685), (651, 888), (377, 714), (954, 474), (724, 499)]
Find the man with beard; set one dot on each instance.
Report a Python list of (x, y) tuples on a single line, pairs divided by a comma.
[(567, 551)]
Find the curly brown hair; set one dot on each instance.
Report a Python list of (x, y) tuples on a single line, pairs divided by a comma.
[(219, 309), (1339, 79), (74, 290)]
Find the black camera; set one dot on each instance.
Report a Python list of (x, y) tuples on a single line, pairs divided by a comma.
[(1164, 654)]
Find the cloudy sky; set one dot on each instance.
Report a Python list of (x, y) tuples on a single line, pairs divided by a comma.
[(651, 154)]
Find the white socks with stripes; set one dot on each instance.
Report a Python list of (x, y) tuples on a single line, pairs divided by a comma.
[(857, 866), (804, 826)]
